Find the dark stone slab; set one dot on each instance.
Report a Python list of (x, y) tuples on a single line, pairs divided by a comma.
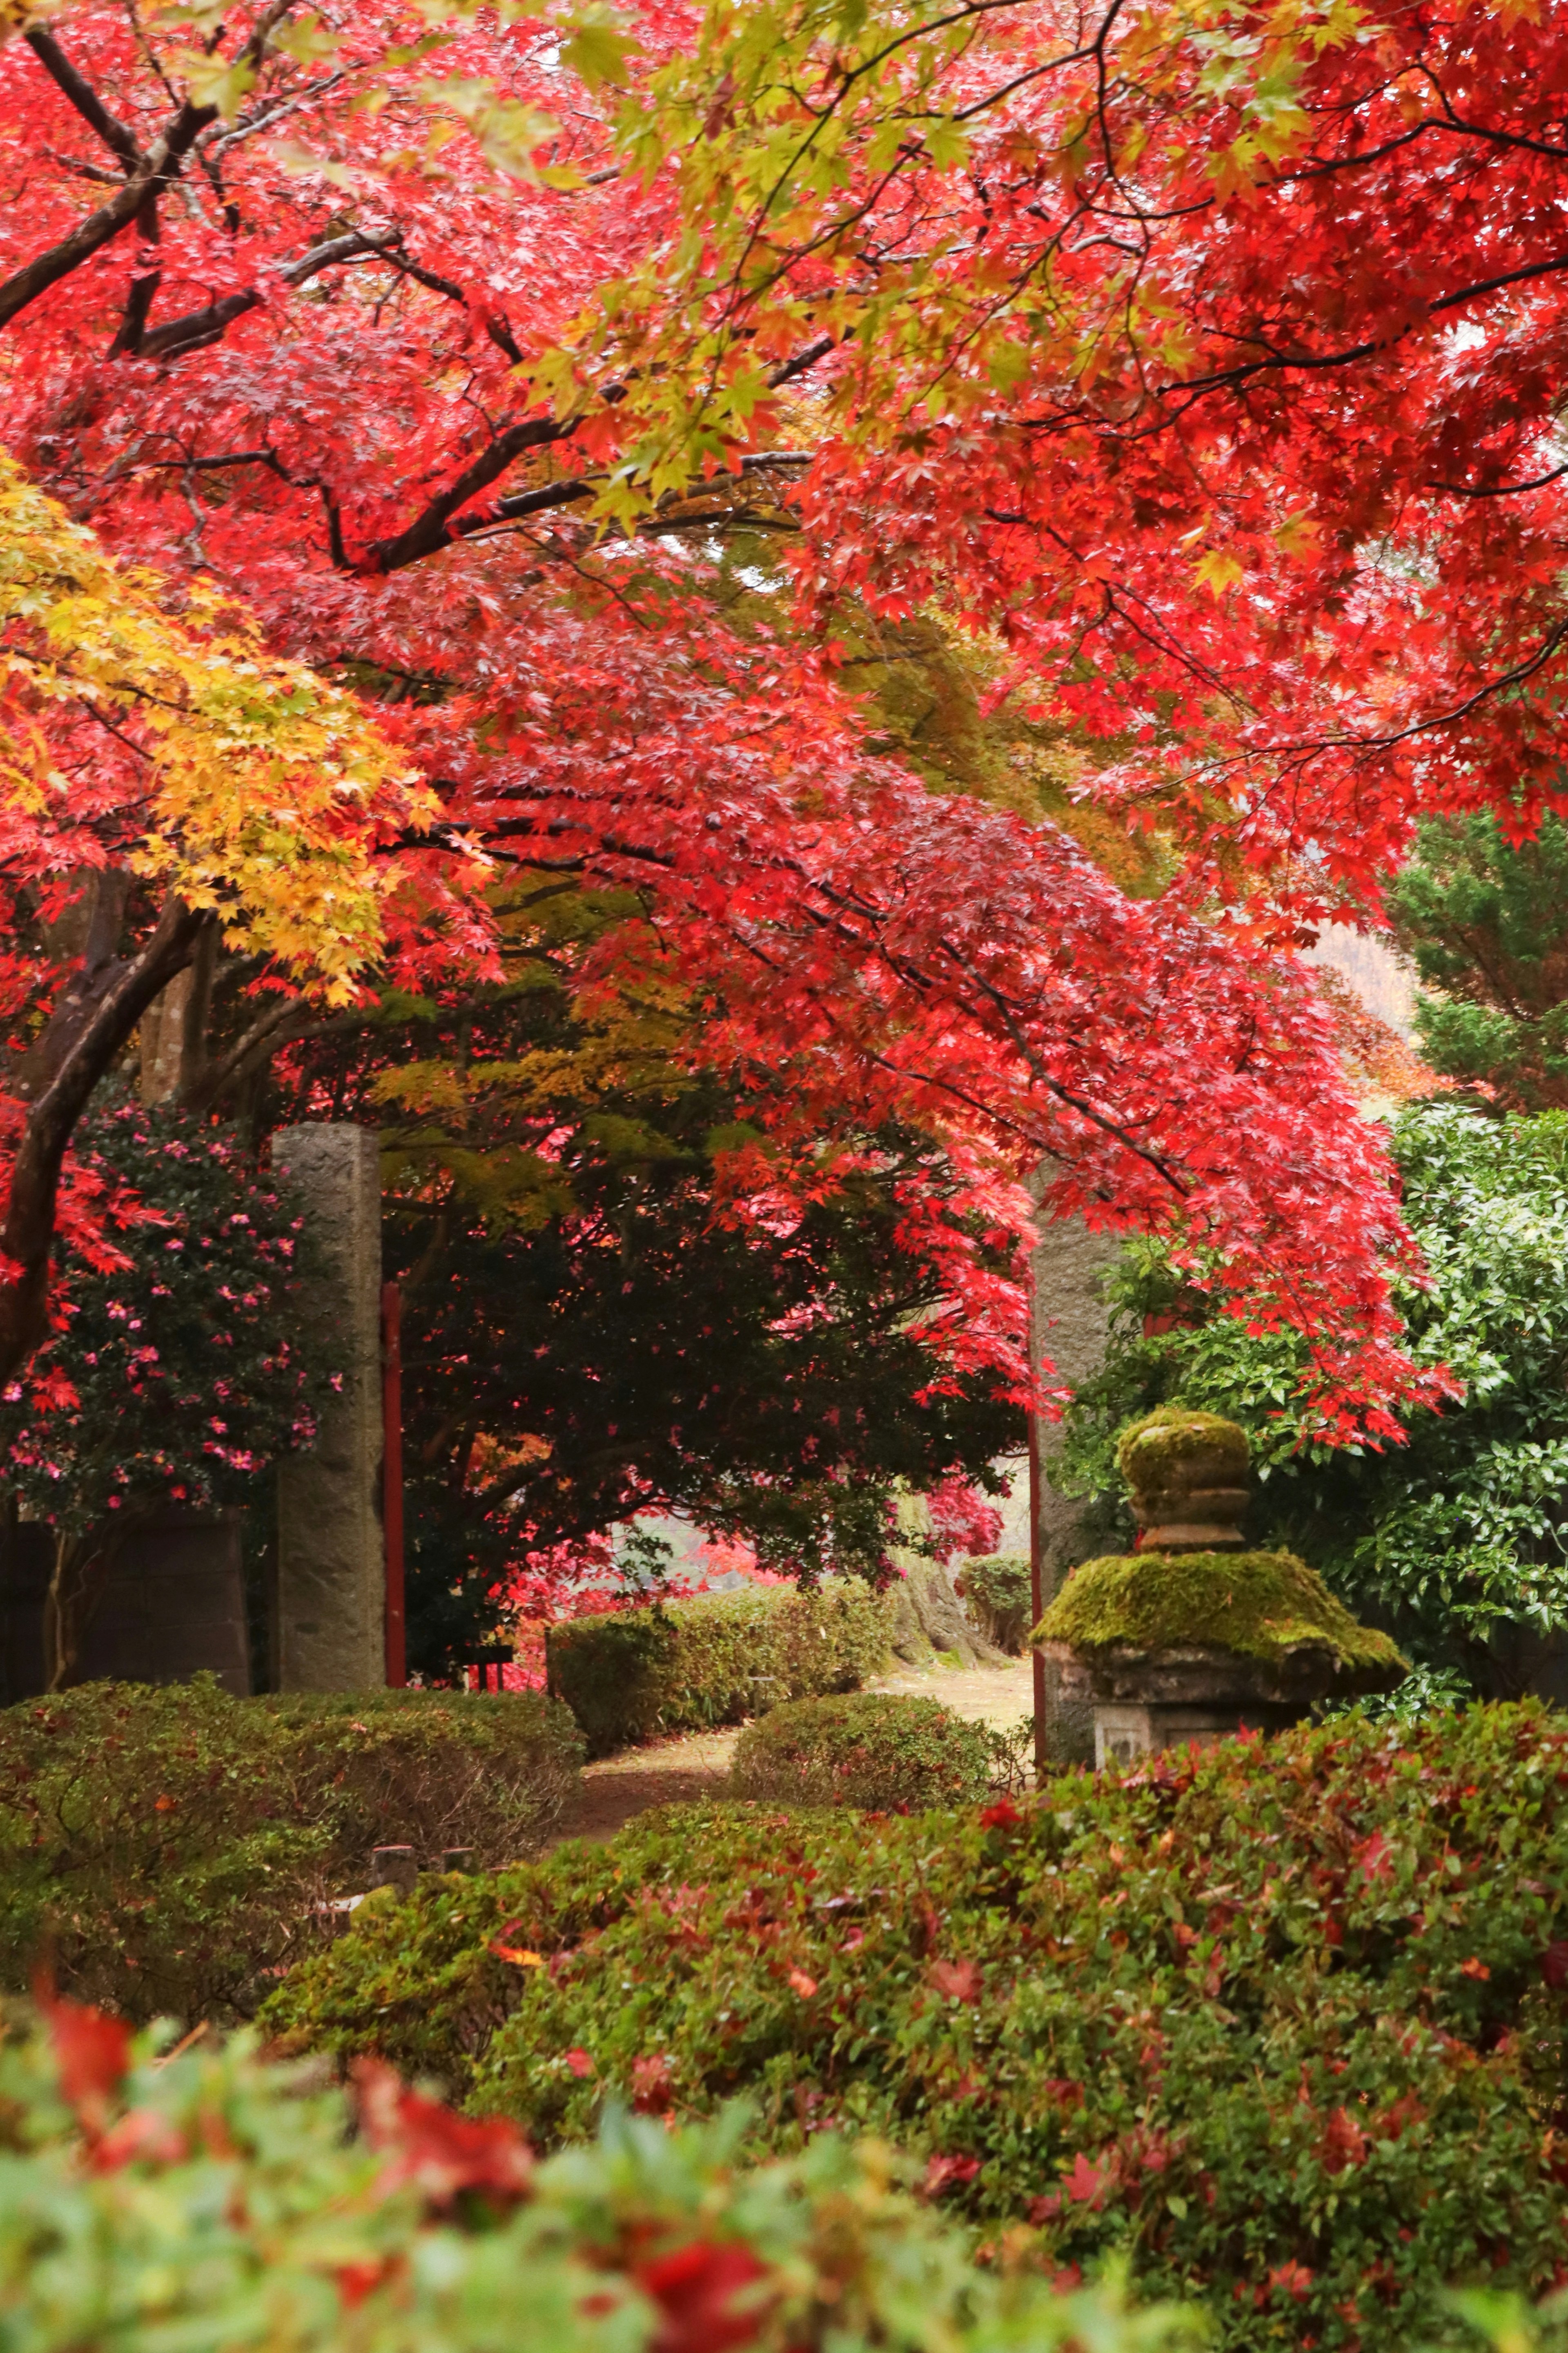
[(173, 1607)]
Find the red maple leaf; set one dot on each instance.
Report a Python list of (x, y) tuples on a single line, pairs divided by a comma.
[(441, 2153), (709, 2295), (92, 2052), (1089, 2185), (1344, 2143), (653, 2086), (958, 1979), (943, 2172), (1002, 1816)]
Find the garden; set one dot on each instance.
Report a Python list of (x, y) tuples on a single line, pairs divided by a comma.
[(783, 1176)]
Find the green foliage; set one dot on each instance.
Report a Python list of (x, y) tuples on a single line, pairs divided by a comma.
[(997, 1591), (180, 1374), (879, 1750), (1487, 926), (1458, 1534), (162, 1847), (1285, 2021), (681, 1666), (1259, 1604), (208, 2201)]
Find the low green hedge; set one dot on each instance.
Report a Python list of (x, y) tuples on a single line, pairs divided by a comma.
[(212, 2202), (684, 1665), (162, 1848), (1286, 2022), (875, 1749)]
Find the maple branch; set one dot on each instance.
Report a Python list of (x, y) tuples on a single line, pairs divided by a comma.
[(434, 528), (196, 328), (123, 991), (153, 170), (115, 134), (267, 1036), (1501, 489), (157, 169)]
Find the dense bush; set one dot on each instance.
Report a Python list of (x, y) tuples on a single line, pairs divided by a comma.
[(683, 1665), (878, 1749), (995, 1587), (1286, 2019), (163, 1847), (209, 2202)]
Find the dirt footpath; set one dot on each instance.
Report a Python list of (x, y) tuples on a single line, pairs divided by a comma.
[(695, 1764)]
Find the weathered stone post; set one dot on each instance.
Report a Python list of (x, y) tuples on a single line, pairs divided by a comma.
[(1069, 1326), (330, 1621)]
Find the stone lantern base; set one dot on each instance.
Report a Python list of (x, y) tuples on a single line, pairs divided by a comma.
[(1125, 1730)]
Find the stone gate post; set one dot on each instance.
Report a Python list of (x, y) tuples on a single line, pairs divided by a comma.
[(331, 1599)]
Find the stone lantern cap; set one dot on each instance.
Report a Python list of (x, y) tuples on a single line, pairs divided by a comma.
[(1189, 1476), (1214, 1626)]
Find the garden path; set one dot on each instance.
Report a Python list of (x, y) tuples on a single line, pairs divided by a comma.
[(694, 1765)]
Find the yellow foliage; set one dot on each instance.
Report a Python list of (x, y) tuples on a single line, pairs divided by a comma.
[(256, 790)]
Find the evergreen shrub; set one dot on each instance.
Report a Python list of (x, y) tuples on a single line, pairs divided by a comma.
[(682, 1666), (162, 1848), (874, 1749), (1284, 2020), (995, 1587), (212, 2201)]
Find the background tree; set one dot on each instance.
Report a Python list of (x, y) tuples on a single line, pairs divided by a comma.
[(1484, 922)]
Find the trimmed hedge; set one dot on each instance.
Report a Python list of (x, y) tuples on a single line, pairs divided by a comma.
[(875, 1749), (212, 2202), (1286, 2020), (162, 1847), (683, 1666)]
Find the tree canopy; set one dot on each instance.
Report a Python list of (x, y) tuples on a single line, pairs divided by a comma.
[(1203, 362)]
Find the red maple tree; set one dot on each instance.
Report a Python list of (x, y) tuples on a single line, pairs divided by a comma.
[(384, 386)]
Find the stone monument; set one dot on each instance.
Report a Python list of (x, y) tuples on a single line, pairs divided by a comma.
[(330, 1612), (1193, 1637), (1069, 1324)]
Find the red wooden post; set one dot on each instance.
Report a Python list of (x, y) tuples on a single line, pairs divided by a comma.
[(1036, 1599), (392, 1482)]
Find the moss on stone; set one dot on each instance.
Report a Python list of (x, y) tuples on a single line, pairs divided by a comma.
[(1153, 1454), (1260, 1605)]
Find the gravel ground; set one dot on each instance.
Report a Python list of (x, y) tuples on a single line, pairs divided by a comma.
[(695, 1764)]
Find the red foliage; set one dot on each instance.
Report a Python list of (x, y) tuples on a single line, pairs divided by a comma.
[(93, 2051), (340, 425), (707, 2294), (442, 2154)]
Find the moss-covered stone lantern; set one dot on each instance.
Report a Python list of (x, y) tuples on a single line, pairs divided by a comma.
[(1193, 1637)]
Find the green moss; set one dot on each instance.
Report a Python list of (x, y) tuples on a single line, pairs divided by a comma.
[(1152, 1453), (1258, 1604)]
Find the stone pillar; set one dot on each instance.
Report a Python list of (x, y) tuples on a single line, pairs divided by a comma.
[(331, 1598), (1069, 1328)]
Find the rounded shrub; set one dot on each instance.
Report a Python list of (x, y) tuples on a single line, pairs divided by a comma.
[(168, 1849), (1283, 2021), (874, 1749)]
